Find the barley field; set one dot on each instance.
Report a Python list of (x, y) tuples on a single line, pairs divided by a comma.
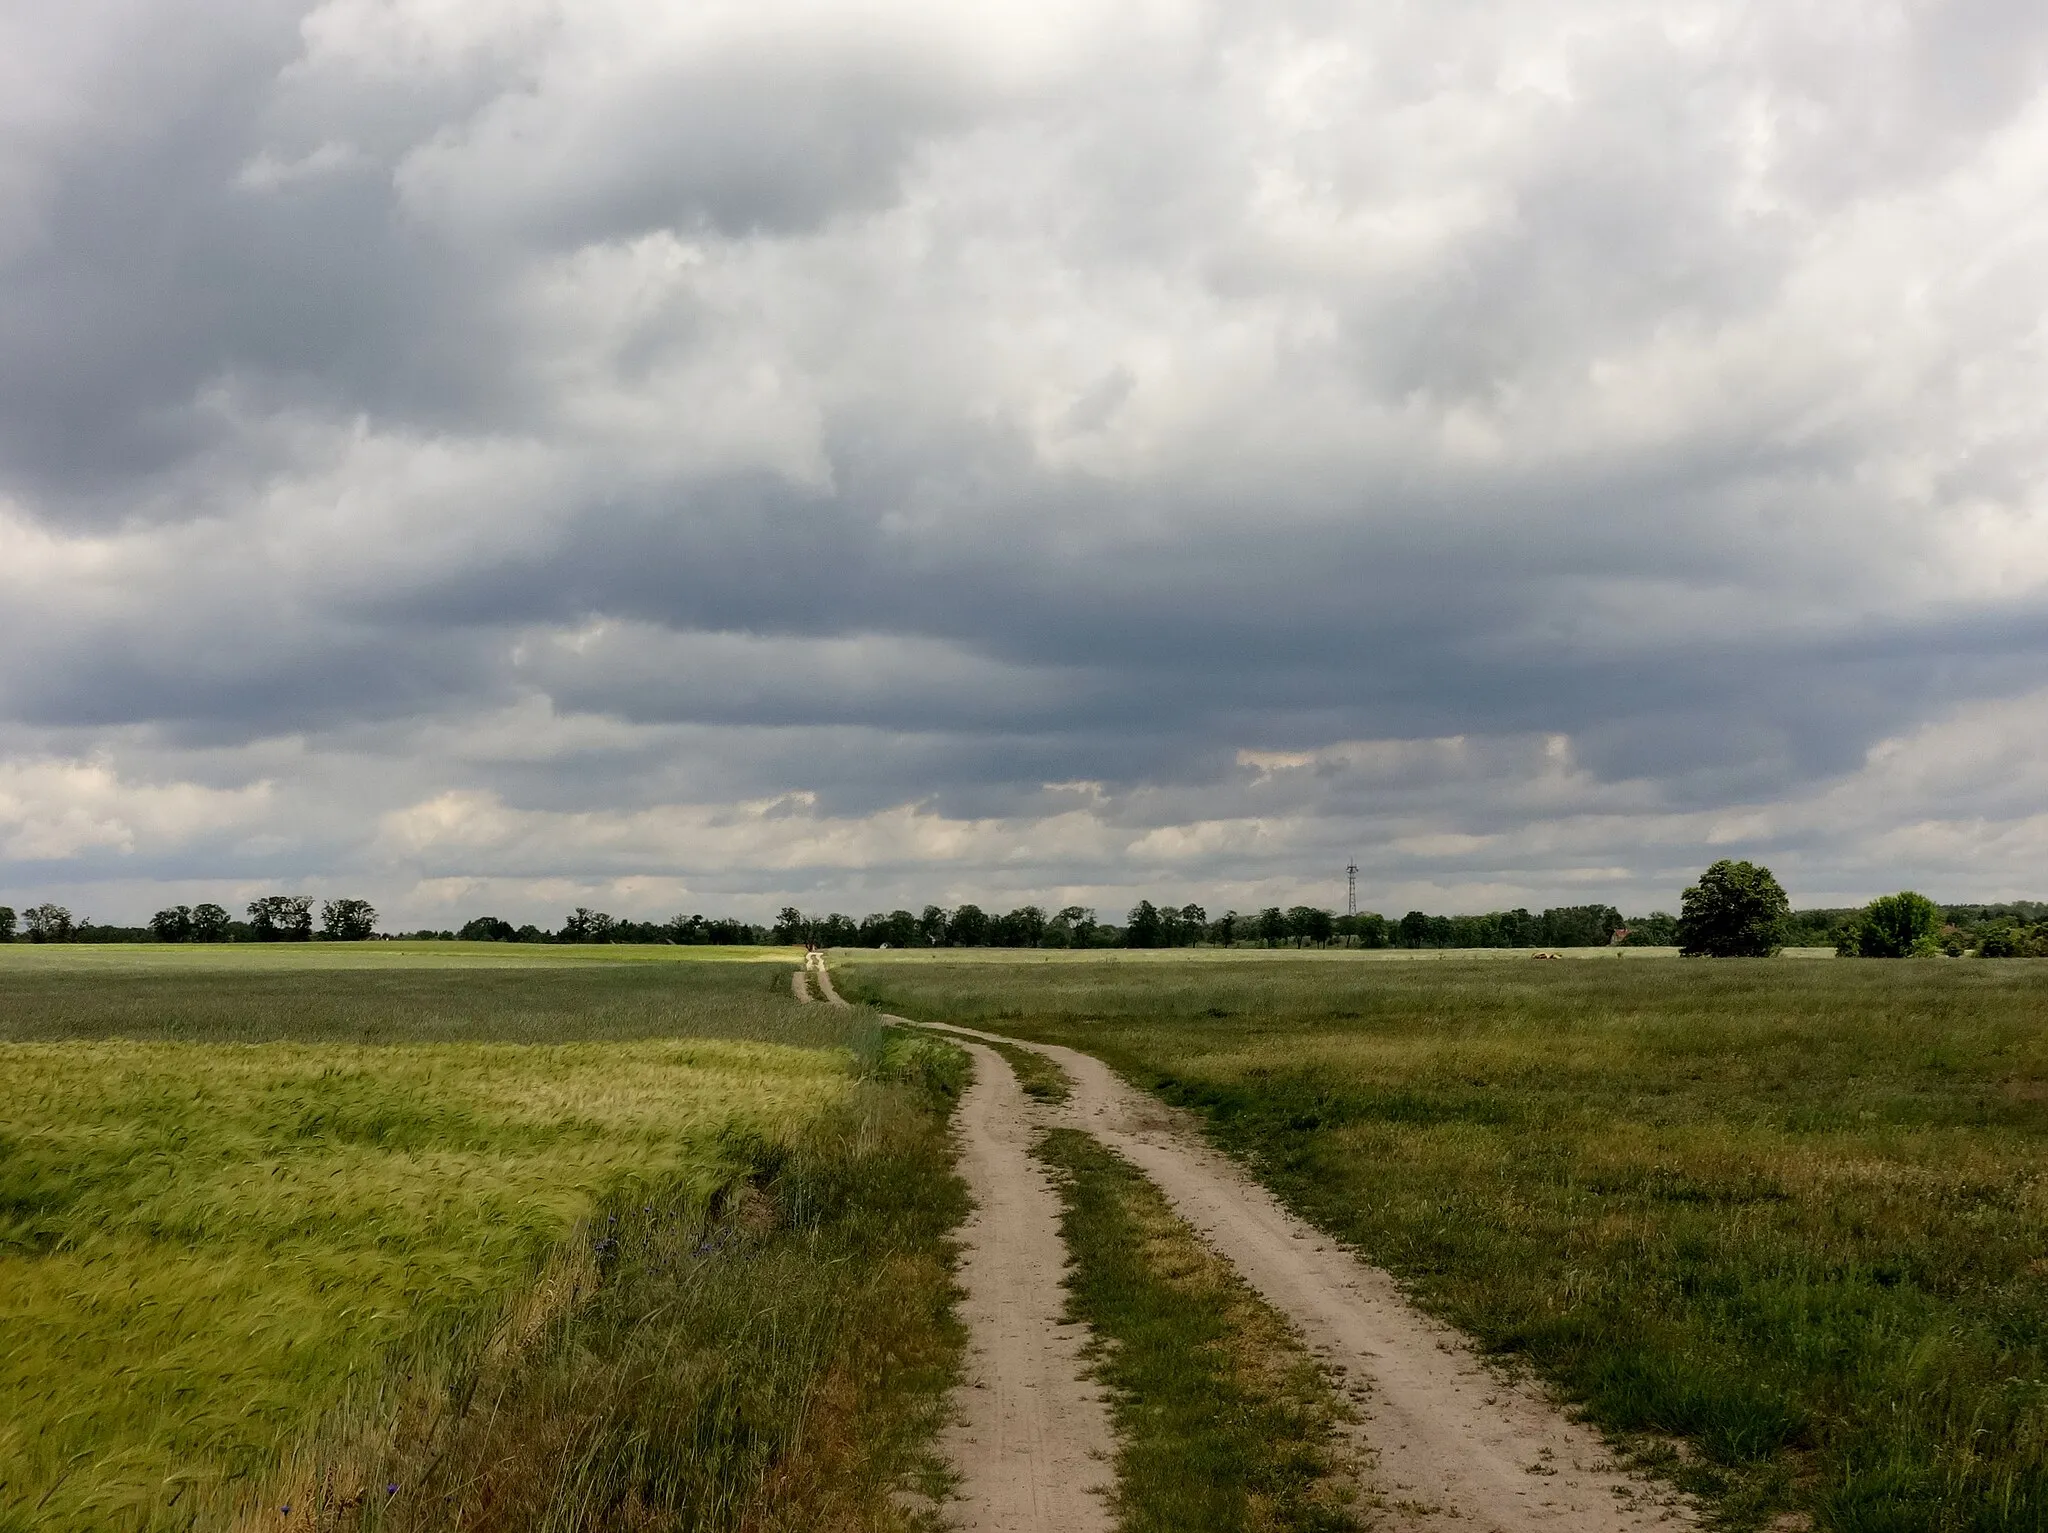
[(1780, 1226), (265, 1217)]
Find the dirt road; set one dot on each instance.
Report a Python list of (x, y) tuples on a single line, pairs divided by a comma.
[(1030, 1436), (1456, 1445), (1031, 1439)]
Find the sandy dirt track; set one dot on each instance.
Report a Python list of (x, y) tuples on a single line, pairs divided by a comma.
[(798, 983), (1031, 1437), (1454, 1443)]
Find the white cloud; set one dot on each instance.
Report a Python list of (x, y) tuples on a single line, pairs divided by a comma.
[(56, 810)]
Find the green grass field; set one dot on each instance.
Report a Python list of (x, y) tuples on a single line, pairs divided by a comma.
[(1783, 1226), (266, 1213)]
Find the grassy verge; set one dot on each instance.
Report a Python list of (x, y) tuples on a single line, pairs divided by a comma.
[(776, 1359), (1224, 1421), (1789, 1215)]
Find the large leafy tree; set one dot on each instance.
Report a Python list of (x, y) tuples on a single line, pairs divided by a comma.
[(969, 926), (1736, 910), (172, 924), (6, 923), (209, 923), (1309, 924), (48, 923), (587, 925), (281, 918), (1893, 926), (352, 920), (1143, 927)]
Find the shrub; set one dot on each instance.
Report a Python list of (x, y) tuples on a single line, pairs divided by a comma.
[(1893, 926)]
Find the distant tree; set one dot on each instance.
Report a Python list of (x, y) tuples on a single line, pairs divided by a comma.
[(483, 929), (1080, 921), (1366, 928), (281, 918), (1143, 928), (1223, 930), (209, 923), (1194, 923), (1893, 926), (1736, 910), (2010, 941), (1272, 925), (931, 925), (791, 927), (6, 923), (835, 930), (530, 933), (1022, 927), (48, 923), (1576, 926), (968, 927), (1173, 931), (172, 924), (1657, 929), (1308, 924), (1414, 928), (352, 921), (586, 925)]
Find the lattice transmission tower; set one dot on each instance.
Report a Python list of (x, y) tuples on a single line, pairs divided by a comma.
[(1351, 888)]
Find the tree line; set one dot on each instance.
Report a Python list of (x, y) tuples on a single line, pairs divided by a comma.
[(1735, 909), (271, 918), (1167, 925)]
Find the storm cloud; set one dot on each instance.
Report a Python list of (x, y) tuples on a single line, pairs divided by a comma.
[(703, 456)]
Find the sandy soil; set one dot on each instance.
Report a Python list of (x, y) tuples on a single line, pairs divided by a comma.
[(1031, 1438), (797, 983), (1455, 1443)]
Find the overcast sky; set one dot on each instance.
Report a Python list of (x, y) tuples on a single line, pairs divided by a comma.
[(498, 455)]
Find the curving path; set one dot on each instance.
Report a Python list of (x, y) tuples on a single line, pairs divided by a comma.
[(1030, 1438), (1456, 1444)]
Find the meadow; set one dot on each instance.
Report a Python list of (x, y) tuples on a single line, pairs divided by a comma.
[(298, 1238), (1780, 1227)]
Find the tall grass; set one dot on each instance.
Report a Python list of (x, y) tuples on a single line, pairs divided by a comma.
[(1785, 1223), (773, 1357), (231, 1268)]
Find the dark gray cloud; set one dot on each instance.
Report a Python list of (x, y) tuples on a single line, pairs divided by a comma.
[(753, 452)]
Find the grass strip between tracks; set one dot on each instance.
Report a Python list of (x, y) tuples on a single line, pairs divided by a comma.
[(1038, 1076), (1224, 1420)]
